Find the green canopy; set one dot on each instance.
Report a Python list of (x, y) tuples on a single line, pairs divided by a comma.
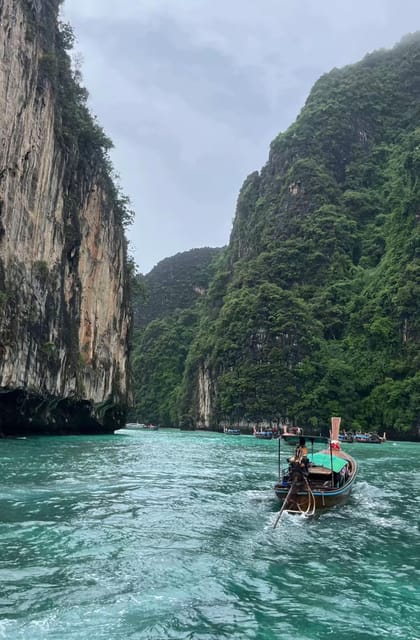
[(293, 440), (324, 460)]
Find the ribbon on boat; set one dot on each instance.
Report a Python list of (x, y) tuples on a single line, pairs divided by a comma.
[(335, 428)]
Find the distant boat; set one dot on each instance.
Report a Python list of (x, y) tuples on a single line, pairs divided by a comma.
[(315, 480), (368, 438), (232, 432), (138, 425), (134, 425), (285, 430), (263, 434)]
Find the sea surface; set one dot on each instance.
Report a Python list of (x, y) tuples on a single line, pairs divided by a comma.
[(168, 535)]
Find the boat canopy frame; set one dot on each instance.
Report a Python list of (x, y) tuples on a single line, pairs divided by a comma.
[(294, 440)]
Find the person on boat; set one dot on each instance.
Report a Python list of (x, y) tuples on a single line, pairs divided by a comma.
[(301, 451), (301, 455)]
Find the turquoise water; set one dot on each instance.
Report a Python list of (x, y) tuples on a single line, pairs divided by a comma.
[(168, 535)]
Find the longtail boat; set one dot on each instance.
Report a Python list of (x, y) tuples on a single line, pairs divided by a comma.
[(314, 480), (369, 438), (231, 431), (263, 434)]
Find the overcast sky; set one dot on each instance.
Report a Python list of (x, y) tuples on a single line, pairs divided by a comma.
[(193, 91)]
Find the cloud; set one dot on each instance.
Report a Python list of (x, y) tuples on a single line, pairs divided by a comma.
[(193, 91)]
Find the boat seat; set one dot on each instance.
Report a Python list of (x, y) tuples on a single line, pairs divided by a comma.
[(319, 470)]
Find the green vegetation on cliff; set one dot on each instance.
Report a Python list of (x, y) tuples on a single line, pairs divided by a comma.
[(81, 137), (314, 306), (174, 283), (166, 314)]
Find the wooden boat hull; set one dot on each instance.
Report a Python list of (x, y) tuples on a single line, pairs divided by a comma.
[(323, 499), (315, 480)]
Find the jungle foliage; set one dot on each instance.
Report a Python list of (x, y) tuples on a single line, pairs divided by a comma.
[(166, 311), (313, 309), (174, 283)]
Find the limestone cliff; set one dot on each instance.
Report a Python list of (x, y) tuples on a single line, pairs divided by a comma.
[(314, 307), (64, 317)]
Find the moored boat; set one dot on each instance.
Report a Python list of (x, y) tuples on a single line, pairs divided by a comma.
[(346, 437), (232, 432), (263, 434), (285, 430), (134, 425), (368, 438), (315, 480)]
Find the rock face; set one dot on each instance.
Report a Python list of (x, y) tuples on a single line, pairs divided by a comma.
[(205, 396), (313, 310), (64, 319)]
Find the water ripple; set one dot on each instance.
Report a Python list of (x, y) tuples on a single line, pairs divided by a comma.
[(169, 535)]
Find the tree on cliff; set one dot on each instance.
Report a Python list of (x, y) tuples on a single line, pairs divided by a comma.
[(313, 308)]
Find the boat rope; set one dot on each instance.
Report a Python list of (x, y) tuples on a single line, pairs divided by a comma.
[(310, 509), (283, 506)]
